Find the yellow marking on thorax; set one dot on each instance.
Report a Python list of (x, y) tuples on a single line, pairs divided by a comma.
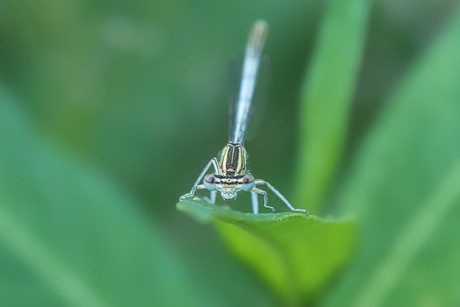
[(233, 160)]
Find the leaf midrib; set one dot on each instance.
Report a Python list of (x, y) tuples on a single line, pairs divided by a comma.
[(278, 249)]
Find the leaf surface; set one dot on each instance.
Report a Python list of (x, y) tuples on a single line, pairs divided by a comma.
[(294, 253), (326, 98)]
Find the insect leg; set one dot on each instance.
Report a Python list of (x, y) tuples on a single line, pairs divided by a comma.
[(280, 196), (213, 197), (259, 191), (212, 162), (211, 200), (255, 203)]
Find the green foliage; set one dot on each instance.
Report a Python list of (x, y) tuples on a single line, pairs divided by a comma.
[(405, 189), (69, 237), (294, 253), (127, 100), (326, 98)]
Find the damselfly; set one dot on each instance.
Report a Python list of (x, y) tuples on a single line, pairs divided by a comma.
[(230, 174)]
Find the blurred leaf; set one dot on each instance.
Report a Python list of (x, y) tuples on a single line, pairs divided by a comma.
[(69, 237), (294, 253), (405, 189), (326, 97)]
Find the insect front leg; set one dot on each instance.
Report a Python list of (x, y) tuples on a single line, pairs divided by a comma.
[(197, 184), (280, 196), (259, 191), (255, 203), (211, 200)]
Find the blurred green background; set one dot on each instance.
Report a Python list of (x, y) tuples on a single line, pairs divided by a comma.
[(110, 109)]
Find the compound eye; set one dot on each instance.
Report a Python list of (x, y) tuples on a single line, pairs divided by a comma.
[(248, 178), (210, 178), (210, 182), (248, 182)]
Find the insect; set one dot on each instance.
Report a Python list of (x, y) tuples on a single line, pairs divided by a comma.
[(230, 173)]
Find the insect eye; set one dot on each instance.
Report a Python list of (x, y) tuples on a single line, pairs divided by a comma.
[(210, 178), (248, 182), (210, 182), (248, 178)]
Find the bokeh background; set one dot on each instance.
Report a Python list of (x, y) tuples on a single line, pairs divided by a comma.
[(133, 95)]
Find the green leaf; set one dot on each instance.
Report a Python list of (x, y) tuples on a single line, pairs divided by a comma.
[(326, 97), (294, 253), (405, 190), (70, 237)]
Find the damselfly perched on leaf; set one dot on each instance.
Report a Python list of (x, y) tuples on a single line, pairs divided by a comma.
[(230, 174)]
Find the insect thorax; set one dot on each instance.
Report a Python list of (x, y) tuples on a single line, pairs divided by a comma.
[(233, 161)]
